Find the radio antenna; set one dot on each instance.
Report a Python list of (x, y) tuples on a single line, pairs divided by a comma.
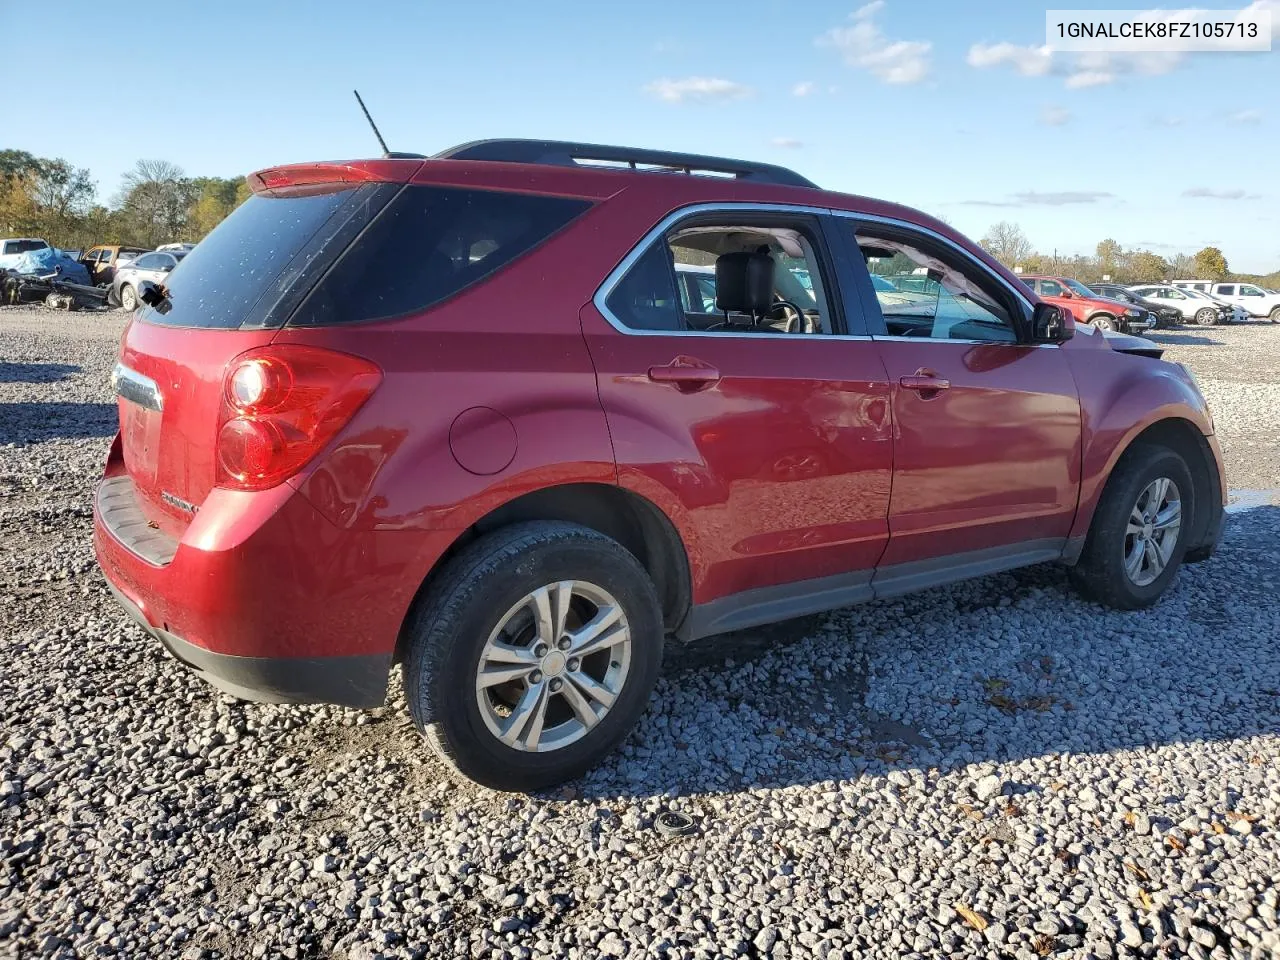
[(382, 143)]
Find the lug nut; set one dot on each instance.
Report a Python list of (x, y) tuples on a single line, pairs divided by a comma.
[(565, 643), (574, 664), (540, 650), (556, 685), (535, 677)]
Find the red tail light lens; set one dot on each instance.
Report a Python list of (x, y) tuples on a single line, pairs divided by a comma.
[(280, 406)]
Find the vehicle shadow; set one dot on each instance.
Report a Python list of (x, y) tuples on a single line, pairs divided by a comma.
[(1011, 667), (1176, 339), (27, 423), (35, 372)]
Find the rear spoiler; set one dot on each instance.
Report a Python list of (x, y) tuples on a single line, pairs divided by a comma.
[(398, 170)]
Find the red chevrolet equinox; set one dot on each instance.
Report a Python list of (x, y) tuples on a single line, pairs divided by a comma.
[(513, 415)]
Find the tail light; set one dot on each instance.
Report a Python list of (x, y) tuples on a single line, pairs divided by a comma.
[(280, 406)]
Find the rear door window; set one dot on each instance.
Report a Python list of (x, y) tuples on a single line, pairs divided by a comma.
[(429, 244)]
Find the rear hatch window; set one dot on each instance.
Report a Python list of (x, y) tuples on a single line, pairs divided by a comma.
[(336, 255)]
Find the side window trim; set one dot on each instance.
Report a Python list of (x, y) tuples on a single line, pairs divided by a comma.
[(831, 257), (874, 314)]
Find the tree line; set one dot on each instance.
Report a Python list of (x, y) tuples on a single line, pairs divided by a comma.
[(1007, 243), (156, 203)]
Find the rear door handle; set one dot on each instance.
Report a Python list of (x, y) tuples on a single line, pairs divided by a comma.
[(924, 383), (686, 374)]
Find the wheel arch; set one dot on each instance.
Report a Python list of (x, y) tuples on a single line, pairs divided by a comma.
[(622, 515), (1188, 440)]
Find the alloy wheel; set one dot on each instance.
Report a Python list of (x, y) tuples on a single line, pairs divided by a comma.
[(1152, 531), (553, 666)]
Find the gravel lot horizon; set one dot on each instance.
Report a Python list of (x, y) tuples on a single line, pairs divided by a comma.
[(992, 769)]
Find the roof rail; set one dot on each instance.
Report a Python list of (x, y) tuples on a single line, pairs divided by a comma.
[(563, 153)]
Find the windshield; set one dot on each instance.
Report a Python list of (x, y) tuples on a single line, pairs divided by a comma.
[(1078, 287)]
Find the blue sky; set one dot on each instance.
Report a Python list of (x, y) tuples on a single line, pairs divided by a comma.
[(933, 103)]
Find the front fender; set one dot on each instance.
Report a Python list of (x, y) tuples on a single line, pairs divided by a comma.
[(1120, 400)]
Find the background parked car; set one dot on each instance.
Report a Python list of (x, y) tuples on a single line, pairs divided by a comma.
[(171, 247), (1194, 306), (154, 266), (1087, 307), (1251, 298), (1165, 315), (14, 247), (102, 261)]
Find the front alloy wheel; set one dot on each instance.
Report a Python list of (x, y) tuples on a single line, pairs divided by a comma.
[(553, 666), (1152, 532), (1138, 536)]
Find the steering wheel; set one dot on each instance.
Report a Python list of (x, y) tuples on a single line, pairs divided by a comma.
[(799, 314)]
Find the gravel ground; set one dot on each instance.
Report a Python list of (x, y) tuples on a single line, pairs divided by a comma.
[(991, 769)]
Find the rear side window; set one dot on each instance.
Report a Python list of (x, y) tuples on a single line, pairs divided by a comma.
[(429, 244)]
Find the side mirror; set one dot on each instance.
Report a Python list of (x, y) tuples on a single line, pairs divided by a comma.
[(1050, 324), (1067, 295)]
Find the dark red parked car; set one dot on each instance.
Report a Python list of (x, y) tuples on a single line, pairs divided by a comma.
[(456, 412)]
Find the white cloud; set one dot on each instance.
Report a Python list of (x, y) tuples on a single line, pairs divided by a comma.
[(1259, 6), (1078, 70), (1035, 198), (1246, 116), (788, 143), (1204, 193), (1028, 61), (1052, 116), (700, 89), (1089, 78), (864, 46), (804, 88)]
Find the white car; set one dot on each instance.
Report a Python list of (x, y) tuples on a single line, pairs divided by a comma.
[(1195, 307), (12, 249), (1249, 297)]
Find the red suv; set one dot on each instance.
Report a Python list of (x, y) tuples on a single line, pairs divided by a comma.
[(1086, 306), (458, 413)]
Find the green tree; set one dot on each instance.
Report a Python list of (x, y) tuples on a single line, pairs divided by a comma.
[(1146, 267), (156, 198), (1109, 254), (1211, 264)]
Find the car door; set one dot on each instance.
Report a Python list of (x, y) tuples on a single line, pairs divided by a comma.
[(986, 426), (771, 451)]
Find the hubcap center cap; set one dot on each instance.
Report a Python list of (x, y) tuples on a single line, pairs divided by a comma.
[(553, 663), (1148, 530)]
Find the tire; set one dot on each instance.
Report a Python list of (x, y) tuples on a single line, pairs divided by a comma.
[(1103, 322), (1101, 573), (128, 298), (490, 587), (1274, 316), (1206, 317)]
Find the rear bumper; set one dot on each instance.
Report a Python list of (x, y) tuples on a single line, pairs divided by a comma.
[(358, 681), (263, 595)]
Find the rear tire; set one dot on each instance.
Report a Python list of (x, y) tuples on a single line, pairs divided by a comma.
[(1275, 315), (128, 298), (1207, 317), (1107, 572), (486, 614)]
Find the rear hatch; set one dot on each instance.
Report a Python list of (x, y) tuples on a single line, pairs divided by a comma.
[(229, 295)]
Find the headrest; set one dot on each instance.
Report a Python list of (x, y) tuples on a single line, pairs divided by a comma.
[(744, 282)]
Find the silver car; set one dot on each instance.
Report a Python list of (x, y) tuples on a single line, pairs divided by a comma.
[(154, 266)]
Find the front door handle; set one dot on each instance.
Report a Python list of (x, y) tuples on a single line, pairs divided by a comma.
[(686, 374), (925, 382)]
